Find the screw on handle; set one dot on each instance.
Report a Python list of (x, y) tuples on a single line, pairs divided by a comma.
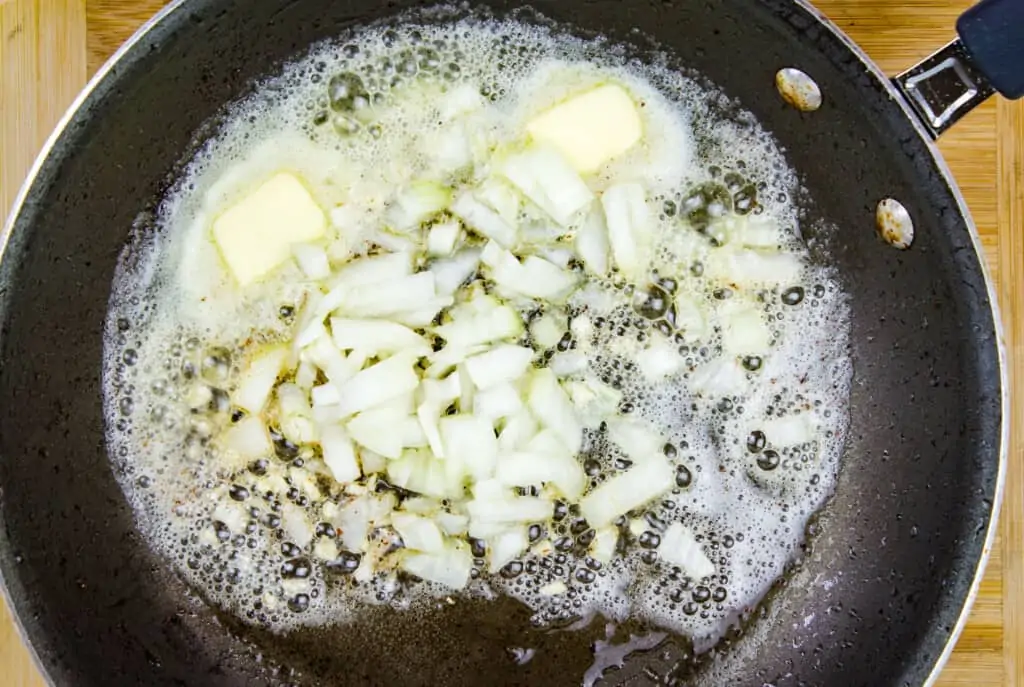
[(992, 33)]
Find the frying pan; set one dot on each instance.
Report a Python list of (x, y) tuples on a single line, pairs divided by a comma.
[(894, 558)]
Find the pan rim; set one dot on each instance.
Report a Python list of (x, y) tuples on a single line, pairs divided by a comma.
[(878, 76)]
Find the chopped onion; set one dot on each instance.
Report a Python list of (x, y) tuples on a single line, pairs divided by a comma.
[(659, 360), (497, 402), (680, 548), (295, 525), (636, 438), (627, 218), (231, 514), (721, 377), (790, 430), (248, 438), (460, 100), (312, 260), (550, 404), (750, 268), (689, 318), (305, 375), (745, 332), (418, 203), (375, 337), (453, 525), (591, 243), (377, 269), (602, 549), (506, 547), (418, 532), (441, 238), (495, 325), (372, 462), (758, 231), (425, 314), (326, 356), (509, 510), (548, 329), (387, 298), (534, 277), (593, 400), (544, 460), (451, 273), (484, 220), (325, 395), (339, 453), (469, 440), (549, 181), (501, 364), (645, 481), (295, 415), (450, 568), (378, 430), (568, 363), (258, 379), (518, 431), (378, 384)]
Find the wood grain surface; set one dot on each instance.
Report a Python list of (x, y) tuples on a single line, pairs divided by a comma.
[(49, 47)]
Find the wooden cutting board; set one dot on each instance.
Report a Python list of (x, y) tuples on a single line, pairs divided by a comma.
[(48, 48)]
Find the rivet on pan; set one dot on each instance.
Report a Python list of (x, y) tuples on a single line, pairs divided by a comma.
[(894, 224), (798, 89)]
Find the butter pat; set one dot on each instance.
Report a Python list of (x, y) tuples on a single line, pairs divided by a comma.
[(255, 234), (591, 128)]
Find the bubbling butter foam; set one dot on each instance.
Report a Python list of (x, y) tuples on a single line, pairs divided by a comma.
[(179, 330)]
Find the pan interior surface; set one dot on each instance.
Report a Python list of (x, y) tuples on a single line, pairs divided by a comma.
[(894, 554)]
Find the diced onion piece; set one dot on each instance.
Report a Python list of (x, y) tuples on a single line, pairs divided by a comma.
[(469, 440), (509, 510), (418, 203), (518, 431), (628, 219), (453, 525), (312, 260), (484, 220), (497, 402), (495, 325), (553, 589), (421, 505), (534, 277), (658, 361), (418, 532), (378, 269), (325, 395), (602, 549), (680, 548), (744, 332), (690, 319), (326, 356), (591, 242), (248, 438), (258, 379), (467, 391), (637, 439), (339, 453), (375, 337), (441, 238), (450, 568), (411, 433), (758, 231), (378, 384), (548, 329), (751, 268), (359, 516), (424, 315), (305, 375), (506, 547), (544, 460), (441, 392), (460, 100), (295, 415), (504, 363), (372, 462), (451, 273), (387, 298), (791, 430), (721, 377), (568, 363), (593, 400), (549, 181), (231, 514), (296, 526), (378, 430), (646, 480), (552, 407), (325, 550)]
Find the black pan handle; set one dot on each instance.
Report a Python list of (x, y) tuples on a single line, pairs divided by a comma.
[(987, 58)]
